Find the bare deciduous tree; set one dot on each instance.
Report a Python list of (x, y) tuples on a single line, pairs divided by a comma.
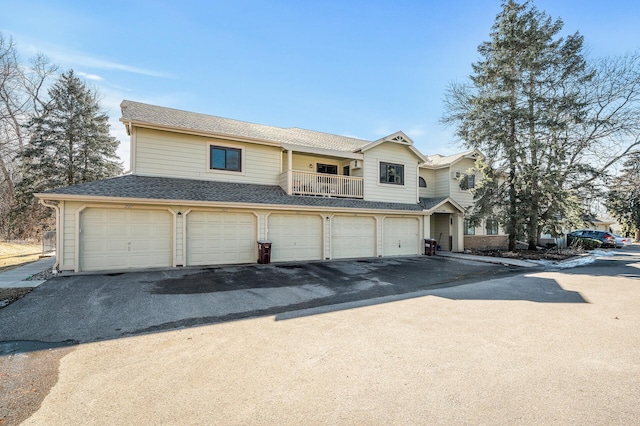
[(21, 91)]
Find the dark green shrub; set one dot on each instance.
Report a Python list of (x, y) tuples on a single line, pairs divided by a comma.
[(586, 243)]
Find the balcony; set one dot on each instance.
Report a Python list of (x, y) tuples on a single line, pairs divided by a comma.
[(322, 185)]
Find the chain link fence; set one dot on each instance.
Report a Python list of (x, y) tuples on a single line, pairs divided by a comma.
[(48, 242)]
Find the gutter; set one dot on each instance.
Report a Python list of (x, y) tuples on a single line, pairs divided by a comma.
[(222, 204)]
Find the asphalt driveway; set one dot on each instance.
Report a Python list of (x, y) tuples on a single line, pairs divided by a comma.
[(87, 308)]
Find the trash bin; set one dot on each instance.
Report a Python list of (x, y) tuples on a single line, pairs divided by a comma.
[(430, 247), (264, 251)]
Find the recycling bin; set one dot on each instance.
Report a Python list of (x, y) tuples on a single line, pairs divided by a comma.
[(264, 252), (430, 247)]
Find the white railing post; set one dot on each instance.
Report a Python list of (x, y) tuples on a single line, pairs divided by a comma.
[(289, 171)]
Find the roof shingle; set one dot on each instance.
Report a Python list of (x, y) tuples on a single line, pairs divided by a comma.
[(162, 188), (173, 118)]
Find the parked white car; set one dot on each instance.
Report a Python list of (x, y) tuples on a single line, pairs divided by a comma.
[(622, 241)]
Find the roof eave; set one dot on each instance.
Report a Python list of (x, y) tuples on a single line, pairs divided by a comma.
[(224, 204), (130, 123), (441, 203)]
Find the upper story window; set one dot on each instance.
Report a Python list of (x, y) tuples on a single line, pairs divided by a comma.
[(422, 182), (225, 158), (467, 182), (392, 173)]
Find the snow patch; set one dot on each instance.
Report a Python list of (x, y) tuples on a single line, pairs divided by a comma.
[(584, 260)]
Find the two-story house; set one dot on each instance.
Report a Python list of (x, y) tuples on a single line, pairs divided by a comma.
[(454, 176), (202, 190)]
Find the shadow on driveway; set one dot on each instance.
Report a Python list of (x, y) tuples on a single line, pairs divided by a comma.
[(89, 308)]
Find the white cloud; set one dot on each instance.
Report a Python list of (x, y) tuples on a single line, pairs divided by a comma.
[(88, 76), (415, 132), (66, 56)]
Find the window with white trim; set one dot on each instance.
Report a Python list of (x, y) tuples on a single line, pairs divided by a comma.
[(469, 228), (492, 227), (467, 182), (392, 173), (225, 158)]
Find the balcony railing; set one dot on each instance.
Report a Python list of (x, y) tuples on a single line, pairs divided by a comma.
[(326, 185)]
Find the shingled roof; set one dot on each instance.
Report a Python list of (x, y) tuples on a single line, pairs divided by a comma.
[(185, 190), (438, 160), (152, 115)]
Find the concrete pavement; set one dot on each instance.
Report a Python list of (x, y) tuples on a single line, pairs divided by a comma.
[(17, 277), (107, 306), (490, 259), (469, 354)]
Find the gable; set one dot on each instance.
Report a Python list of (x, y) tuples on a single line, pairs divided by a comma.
[(398, 138), (441, 205)]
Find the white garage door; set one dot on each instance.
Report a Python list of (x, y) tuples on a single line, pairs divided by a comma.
[(401, 236), (215, 238), (295, 237), (125, 238), (353, 236)]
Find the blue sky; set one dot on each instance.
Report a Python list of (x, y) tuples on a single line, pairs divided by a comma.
[(357, 68)]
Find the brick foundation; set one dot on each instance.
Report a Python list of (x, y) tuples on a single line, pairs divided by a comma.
[(486, 242)]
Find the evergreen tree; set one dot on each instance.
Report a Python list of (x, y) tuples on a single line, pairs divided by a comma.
[(624, 196), (523, 107), (69, 144)]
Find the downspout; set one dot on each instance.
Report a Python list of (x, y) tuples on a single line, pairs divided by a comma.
[(133, 141), (56, 207)]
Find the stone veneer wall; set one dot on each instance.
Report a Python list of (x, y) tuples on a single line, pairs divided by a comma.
[(486, 242)]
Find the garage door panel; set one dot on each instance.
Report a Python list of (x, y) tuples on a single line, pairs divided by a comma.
[(114, 246), (401, 236), (295, 237), (116, 230), (221, 238), (122, 239), (353, 236)]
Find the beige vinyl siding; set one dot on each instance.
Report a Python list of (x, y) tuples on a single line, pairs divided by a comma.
[(443, 182), (67, 261), (430, 177), (396, 154), (462, 197), (161, 153)]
